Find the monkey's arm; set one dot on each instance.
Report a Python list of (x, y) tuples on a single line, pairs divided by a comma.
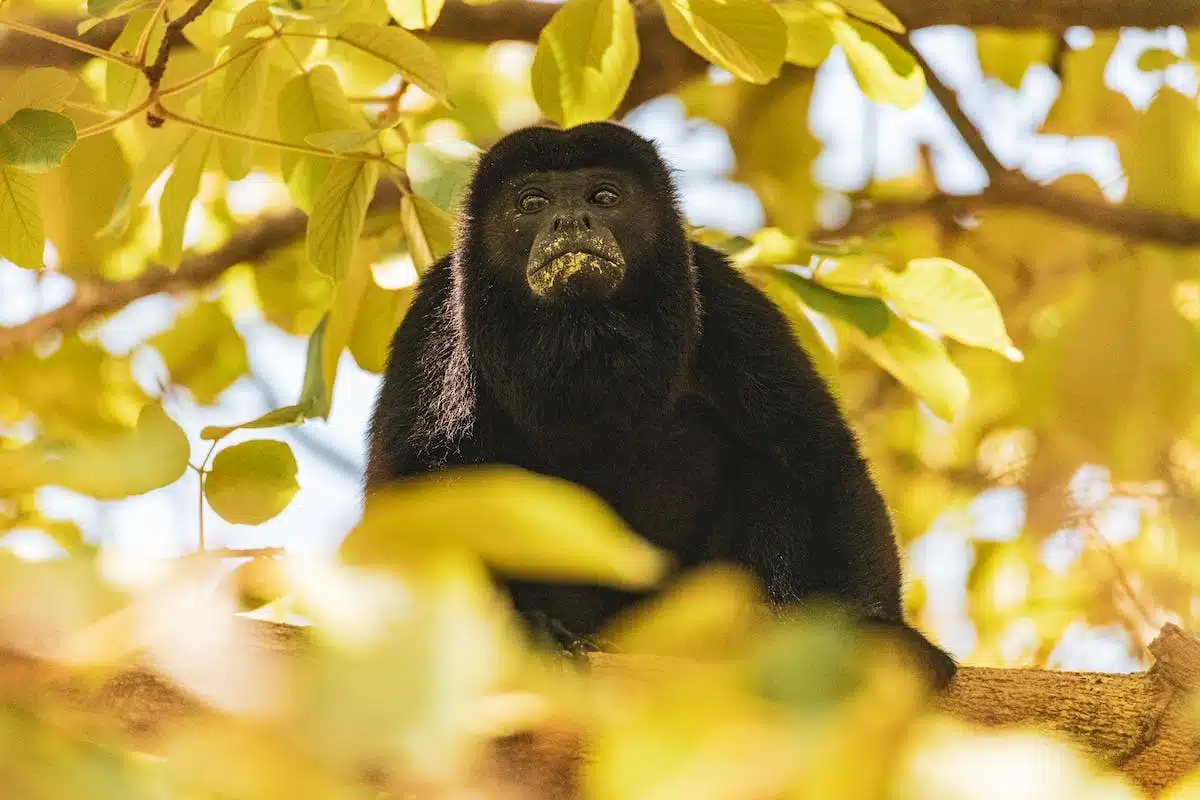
[(399, 442), (772, 398)]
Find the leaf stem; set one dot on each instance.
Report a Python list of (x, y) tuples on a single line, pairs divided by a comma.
[(139, 54), (73, 44), (112, 122)]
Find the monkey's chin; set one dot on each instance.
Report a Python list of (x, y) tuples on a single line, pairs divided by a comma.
[(576, 274)]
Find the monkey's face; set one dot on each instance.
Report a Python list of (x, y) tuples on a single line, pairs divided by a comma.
[(574, 233)]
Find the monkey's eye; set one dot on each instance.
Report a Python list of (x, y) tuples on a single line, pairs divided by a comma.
[(532, 202), (604, 197)]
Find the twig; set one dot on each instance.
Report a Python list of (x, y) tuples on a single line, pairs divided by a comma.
[(96, 297), (172, 35)]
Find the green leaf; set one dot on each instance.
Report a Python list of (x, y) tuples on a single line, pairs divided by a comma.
[(341, 141), (868, 314), (584, 61), (178, 194), (874, 12), (809, 36), (316, 396), (429, 230), (802, 327), (746, 37), (922, 364), (885, 72), (276, 418), (949, 297), (310, 103), (520, 523), (416, 14), (45, 88), (153, 455), (35, 140), (251, 482), (412, 57), (338, 215), (203, 351), (439, 171), (22, 238)]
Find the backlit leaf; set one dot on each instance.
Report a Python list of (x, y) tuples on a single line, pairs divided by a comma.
[(22, 239), (119, 79), (429, 230), (379, 314), (416, 14), (44, 88), (309, 103), (276, 418), (440, 170), (412, 57), (81, 196), (874, 12), (949, 297), (868, 314), (252, 482), (584, 61), (234, 101), (520, 523), (341, 141), (885, 72), (922, 364), (809, 37), (153, 455), (36, 141), (178, 194), (338, 215), (746, 37), (203, 351)]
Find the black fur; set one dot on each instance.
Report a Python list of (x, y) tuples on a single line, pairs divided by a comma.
[(682, 398)]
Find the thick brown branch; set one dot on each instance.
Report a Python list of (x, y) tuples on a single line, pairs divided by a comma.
[(1015, 191), (96, 297), (1139, 724)]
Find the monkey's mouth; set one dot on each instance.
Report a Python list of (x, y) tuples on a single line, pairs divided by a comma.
[(576, 268)]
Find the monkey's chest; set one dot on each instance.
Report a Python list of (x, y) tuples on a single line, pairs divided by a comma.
[(663, 479)]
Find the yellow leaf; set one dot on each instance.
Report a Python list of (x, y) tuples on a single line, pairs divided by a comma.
[(885, 72), (949, 297), (178, 194), (1007, 55), (1156, 59), (429, 230), (340, 322), (584, 61), (874, 12), (1162, 158), (119, 79), (746, 37), (311, 102), (920, 363), (203, 351), (45, 88), (522, 524), (379, 314), (153, 455), (22, 238), (416, 14), (413, 58), (338, 215), (234, 100), (809, 37), (252, 482), (275, 418), (79, 198)]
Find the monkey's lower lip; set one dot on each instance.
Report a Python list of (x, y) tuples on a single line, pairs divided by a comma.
[(575, 272)]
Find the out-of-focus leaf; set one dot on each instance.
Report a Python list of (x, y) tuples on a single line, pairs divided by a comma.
[(802, 327), (874, 12), (885, 72), (169, 141), (276, 418), (429, 230), (256, 583), (1156, 59), (379, 314), (584, 61), (439, 171), (119, 79), (338, 215), (252, 482), (22, 237), (310, 103), (520, 523), (809, 36), (35, 140), (746, 37), (949, 297), (203, 351), (411, 56), (922, 364), (79, 198), (416, 14), (868, 314), (1007, 55), (154, 455), (43, 88), (708, 614), (1162, 158), (178, 194)]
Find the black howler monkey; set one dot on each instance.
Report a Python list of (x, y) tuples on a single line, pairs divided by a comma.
[(576, 331)]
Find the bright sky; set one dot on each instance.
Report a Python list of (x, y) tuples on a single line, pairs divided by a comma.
[(331, 455)]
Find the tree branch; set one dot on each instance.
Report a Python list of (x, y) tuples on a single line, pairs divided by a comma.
[(96, 297), (1139, 724)]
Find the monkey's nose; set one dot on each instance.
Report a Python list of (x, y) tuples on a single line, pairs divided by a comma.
[(572, 222)]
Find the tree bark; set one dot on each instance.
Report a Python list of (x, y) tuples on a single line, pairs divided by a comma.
[(1140, 724)]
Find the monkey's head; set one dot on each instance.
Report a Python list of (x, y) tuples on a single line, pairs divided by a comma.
[(574, 278), (572, 216)]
